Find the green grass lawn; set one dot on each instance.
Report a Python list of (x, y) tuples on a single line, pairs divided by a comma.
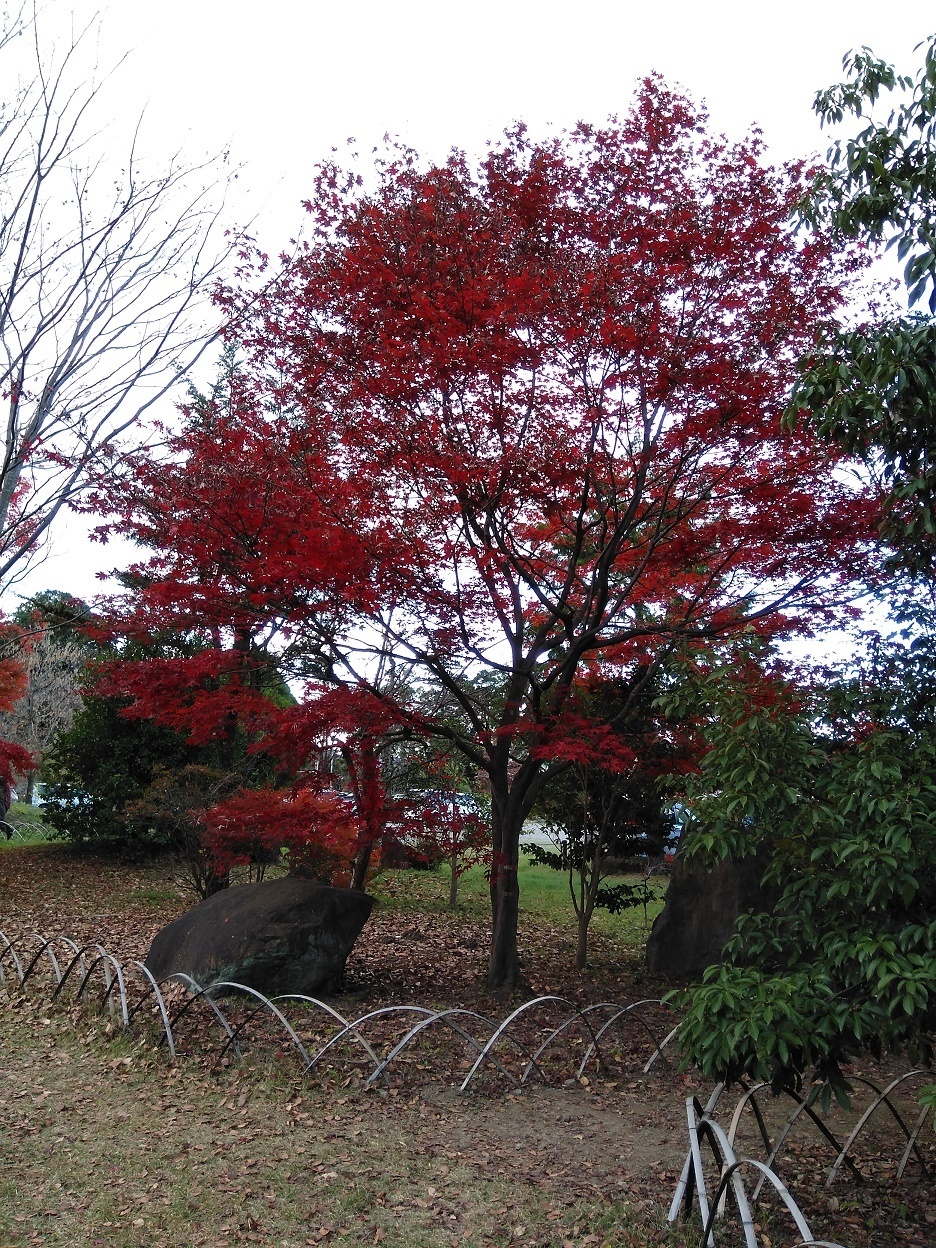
[(544, 898), (544, 893)]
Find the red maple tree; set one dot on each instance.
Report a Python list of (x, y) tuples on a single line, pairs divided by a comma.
[(315, 829), (230, 582), (510, 423), (14, 759)]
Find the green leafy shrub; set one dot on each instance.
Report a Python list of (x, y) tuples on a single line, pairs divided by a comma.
[(840, 785), (99, 768)]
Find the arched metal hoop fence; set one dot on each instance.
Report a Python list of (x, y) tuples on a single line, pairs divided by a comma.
[(224, 1018), (542, 1039), (729, 1186)]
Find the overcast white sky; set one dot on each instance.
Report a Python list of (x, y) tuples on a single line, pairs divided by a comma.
[(281, 82)]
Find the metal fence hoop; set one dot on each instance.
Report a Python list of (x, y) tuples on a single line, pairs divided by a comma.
[(749, 1098), (502, 1028), (911, 1142), (44, 946), (350, 1028), (882, 1098), (79, 961), (264, 1003), (731, 1173), (199, 994), (340, 1019), (9, 948), (682, 1197), (621, 1011), (803, 1107), (445, 1016), (153, 987), (113, 977), (659, 1052)]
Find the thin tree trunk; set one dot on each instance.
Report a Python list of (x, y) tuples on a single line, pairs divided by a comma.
[(214, 882), (453, 883), (364, 778), (581, 944), (359, 867), (590, 882)]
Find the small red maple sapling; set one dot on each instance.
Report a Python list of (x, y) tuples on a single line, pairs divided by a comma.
[(446, 824), (315, 829)]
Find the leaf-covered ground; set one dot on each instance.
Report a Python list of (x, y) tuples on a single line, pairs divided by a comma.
[(103, 1141)]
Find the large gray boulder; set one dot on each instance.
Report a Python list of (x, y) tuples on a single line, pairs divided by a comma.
[(279, 936), (700, 912)]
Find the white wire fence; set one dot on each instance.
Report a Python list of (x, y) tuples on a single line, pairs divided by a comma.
[(724, 1183), (541, 1039)]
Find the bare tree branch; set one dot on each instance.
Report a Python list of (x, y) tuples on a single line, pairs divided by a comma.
[(53, 666), (103, 288)]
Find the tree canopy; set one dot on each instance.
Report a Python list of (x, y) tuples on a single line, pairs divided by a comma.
[(872, 388), (498, 426)]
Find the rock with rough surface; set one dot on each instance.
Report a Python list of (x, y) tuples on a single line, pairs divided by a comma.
[(279, 936), (700, 912)]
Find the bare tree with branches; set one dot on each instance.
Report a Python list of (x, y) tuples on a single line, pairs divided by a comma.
[(101, 276), (53, 665)]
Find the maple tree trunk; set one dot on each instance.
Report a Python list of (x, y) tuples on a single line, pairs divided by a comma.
[(504, 973), (359, 865), (215, 881), (369, 797)]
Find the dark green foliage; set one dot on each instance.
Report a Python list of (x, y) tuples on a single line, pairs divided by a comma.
[(840, 785), (843, 786), (170, 812), (117, 780), (102, 765), (106, 761), (874, 393), (56, 610)]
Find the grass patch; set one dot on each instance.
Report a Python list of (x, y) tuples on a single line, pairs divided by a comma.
[(544, 899), (153, 896)]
